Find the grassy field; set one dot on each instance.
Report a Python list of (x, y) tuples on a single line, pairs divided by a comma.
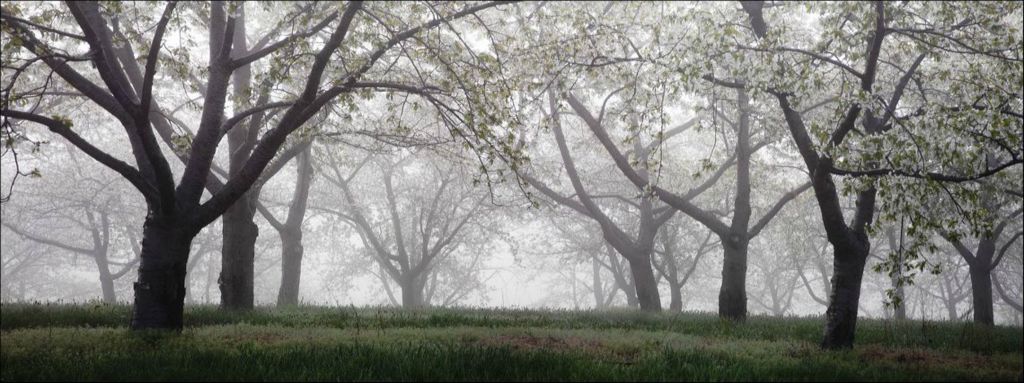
[(90, 342)]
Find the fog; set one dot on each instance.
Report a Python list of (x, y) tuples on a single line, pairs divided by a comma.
[(581, 156)]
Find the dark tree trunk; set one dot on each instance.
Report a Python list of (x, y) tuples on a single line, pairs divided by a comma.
[(732, 297), (646, 285), (291, 268), (981, 290), (841, 316), (239, 228), (237, 260), (160, 290)]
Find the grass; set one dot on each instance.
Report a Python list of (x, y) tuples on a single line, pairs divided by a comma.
[(90, 342)]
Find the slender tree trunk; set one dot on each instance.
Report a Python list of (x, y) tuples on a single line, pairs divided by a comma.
[(841, 316), (291, 268), (645, 283), (732, 297), (981, 291), (900, 310), (291, 234), (238, 256), (675, 288), (106, 280), (160, 290), (598, 288)]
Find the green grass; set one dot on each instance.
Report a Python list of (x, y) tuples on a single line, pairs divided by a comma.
[(90, 342)]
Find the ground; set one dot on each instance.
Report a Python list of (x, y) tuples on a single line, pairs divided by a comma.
[(91, 342)]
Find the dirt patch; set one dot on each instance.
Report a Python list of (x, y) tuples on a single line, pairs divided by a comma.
[(547, 343), (920, 357)]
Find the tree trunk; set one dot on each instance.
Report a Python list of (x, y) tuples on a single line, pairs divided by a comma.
[(160, 290), (291, 267), (646, 285), (598, 288), (238, 254), (899, 297), (841, 316), (900, 310), (106, 280), (239, 228), (620, 275), (981, 291), (951, 312), (291, 233), (732, 297), (630, 292), (675, 288), (412, 293), (676, 305)]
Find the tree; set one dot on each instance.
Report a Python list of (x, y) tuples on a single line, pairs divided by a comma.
[(630, 65), (176, 211), (429, 219), (290, 230), (576, 242), (986, 256), (736, 236), (636, 249), (678, 262), (830, 151), (89, 220)]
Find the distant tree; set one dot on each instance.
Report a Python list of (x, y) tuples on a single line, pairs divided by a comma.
[(91, 220), (680, 253), (991, 249), (423, 231), (290, 229)]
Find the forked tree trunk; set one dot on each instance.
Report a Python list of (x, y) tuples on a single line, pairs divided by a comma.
[(160, 290), (291, 267), (237, 260), (646, 285), (841, 316), (732, 297), (291, 233)]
